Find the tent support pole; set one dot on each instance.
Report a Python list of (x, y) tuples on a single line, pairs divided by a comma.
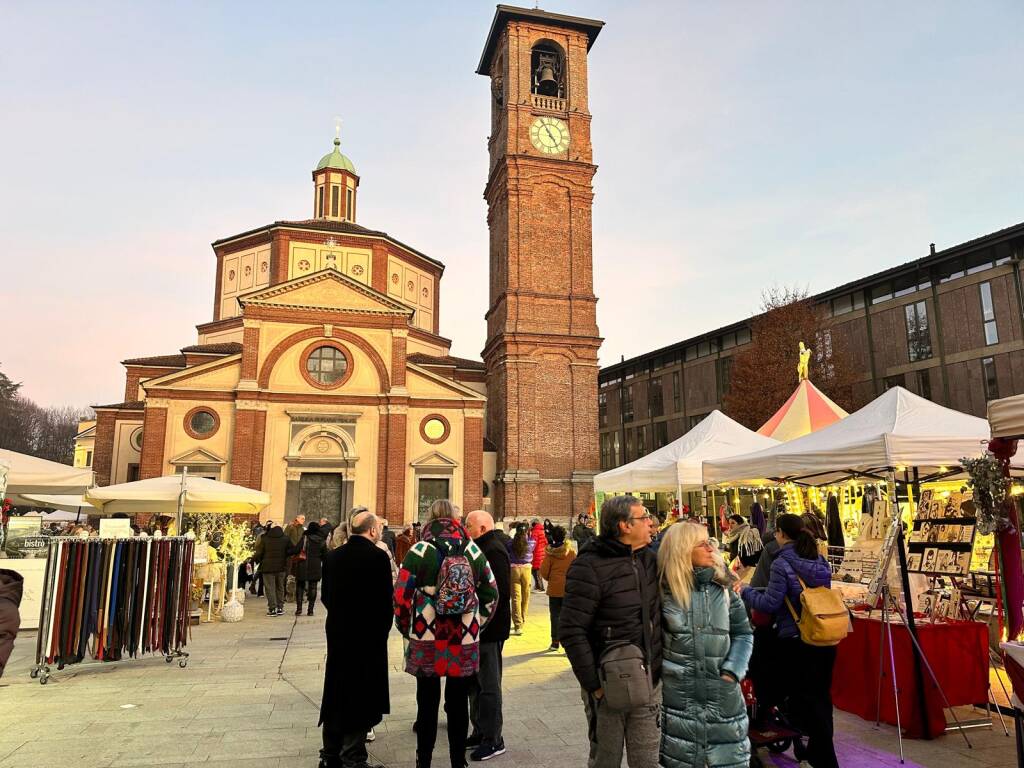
[(679, 497), (181, 500)]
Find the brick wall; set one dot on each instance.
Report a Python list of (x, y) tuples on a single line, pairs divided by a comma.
[(103, 452), (154, 433), (473, 464)]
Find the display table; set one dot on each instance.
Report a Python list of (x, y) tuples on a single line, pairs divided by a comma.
[(957, 652)]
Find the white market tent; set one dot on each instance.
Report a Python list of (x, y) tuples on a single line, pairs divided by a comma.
[(63, 502), (161, 496), (896, 429), (677, 466), (1006, 416), (29, 474)]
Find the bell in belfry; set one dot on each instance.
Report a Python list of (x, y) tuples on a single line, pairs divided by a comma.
[(547, 81)]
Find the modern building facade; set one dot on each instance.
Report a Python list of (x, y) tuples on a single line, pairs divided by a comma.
[(948, 326)]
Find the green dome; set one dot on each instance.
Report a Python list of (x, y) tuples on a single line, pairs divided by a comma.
[(336, 160)]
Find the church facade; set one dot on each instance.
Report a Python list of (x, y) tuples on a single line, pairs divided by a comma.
[(321, 378)]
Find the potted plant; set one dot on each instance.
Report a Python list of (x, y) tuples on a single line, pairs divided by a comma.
[(236, 547)]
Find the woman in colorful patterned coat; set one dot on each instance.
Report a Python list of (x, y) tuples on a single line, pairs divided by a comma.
[(442, 645), (707, 645)]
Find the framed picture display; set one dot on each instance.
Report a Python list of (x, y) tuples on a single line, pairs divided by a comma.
[(942, 538)]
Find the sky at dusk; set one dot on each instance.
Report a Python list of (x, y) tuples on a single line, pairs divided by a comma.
[(739, 145)]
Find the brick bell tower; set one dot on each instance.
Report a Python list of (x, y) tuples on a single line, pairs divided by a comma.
[(542, 337)]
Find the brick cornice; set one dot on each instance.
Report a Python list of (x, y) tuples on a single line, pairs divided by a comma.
[(305, 315), (220, 325)]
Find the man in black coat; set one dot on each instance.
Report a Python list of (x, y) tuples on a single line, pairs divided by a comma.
[(612, 598), (272, 555), (485, 700), (356, 591)]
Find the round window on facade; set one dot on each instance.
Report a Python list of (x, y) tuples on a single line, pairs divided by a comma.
[(326, 365), (435, 428), (136, 439), (201, 423)]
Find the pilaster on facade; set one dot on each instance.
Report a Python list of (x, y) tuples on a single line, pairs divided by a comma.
[(154, 438)]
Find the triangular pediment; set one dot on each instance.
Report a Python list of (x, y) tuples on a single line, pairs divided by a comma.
[(424, 383), (198, 456), (434, 460), (327, 290)]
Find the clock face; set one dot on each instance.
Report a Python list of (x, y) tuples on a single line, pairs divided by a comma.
[(550, 135)]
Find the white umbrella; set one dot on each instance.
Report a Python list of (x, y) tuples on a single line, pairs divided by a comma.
[(66, 503), (29, 474), (173, 494)]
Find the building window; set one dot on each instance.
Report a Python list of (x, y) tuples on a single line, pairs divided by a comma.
[(602, 409), (350, 205), (881, 293), (724, 376), (320, 201), (641, 441), (742, 336), (694, 421), (434, 429), (919, 340), (629, 445), (335, 199), (88, 458), (660, 434), (627, 405), (895, 381), (988, 314), (951, 270), (616, 449), (924, 384), (655, 399), (677, 396), (606, 452), (690, 354), (988, 369), (201, 423), (326, 365), (136, 439)]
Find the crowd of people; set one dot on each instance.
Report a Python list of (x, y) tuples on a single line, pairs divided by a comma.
[(659, 624)]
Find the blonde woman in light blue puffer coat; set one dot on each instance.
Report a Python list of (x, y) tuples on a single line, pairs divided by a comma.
[(707, 645)]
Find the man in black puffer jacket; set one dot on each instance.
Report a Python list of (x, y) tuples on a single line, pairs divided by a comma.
[(272, 555), (611, 598)]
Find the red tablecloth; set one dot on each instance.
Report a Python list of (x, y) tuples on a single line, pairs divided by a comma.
[(957, 652)]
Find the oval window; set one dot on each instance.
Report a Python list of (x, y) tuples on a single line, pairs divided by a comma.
[(434, 429), (136, 439), (326, 365)]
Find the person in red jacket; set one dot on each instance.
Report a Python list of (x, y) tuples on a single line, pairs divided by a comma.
[(541, 545)]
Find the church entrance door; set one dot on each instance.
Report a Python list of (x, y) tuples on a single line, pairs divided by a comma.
[(429, 490), (320, 495)]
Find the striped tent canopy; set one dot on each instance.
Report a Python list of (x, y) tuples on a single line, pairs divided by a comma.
[(807, 410)]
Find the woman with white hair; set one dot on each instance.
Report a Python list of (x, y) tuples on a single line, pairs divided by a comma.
[(707, 645)]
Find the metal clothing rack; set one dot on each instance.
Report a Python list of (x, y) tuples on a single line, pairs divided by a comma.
[(164, 604)]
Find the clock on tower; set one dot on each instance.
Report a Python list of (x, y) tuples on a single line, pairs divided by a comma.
[(542, 337)]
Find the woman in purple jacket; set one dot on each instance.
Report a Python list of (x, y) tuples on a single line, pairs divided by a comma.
[(807, 669), (520, 552)]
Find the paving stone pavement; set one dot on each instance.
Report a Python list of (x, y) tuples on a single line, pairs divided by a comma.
[(250, 694)]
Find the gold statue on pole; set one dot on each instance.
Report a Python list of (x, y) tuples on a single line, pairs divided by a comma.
[(804, 366)]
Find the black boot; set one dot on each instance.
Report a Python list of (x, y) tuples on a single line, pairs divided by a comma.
[(298, 608)]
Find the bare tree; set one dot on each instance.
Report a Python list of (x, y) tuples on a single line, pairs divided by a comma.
[(26, 427)]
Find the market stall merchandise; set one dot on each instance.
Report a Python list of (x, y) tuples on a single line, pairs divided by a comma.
[(107, 599)]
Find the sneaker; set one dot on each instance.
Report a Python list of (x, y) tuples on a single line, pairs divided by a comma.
[(370, 735), (516, 631), (309, 612), (487, 751), (553, 647), (271, 612), (279, 612), (474, 741)]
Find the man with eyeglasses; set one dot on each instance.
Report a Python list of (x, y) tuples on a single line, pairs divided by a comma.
[(612, 602)]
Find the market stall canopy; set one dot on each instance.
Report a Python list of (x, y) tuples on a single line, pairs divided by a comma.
[(807, 410), (896, 429), (29, 474), (67, 503), (59, 516), (159, 496), (1006, 416), (678, 464)]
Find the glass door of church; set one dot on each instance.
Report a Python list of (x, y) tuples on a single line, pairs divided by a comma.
[(429, 490), (320, 495)]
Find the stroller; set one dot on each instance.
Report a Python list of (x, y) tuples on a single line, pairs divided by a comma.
[(771, 729)]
